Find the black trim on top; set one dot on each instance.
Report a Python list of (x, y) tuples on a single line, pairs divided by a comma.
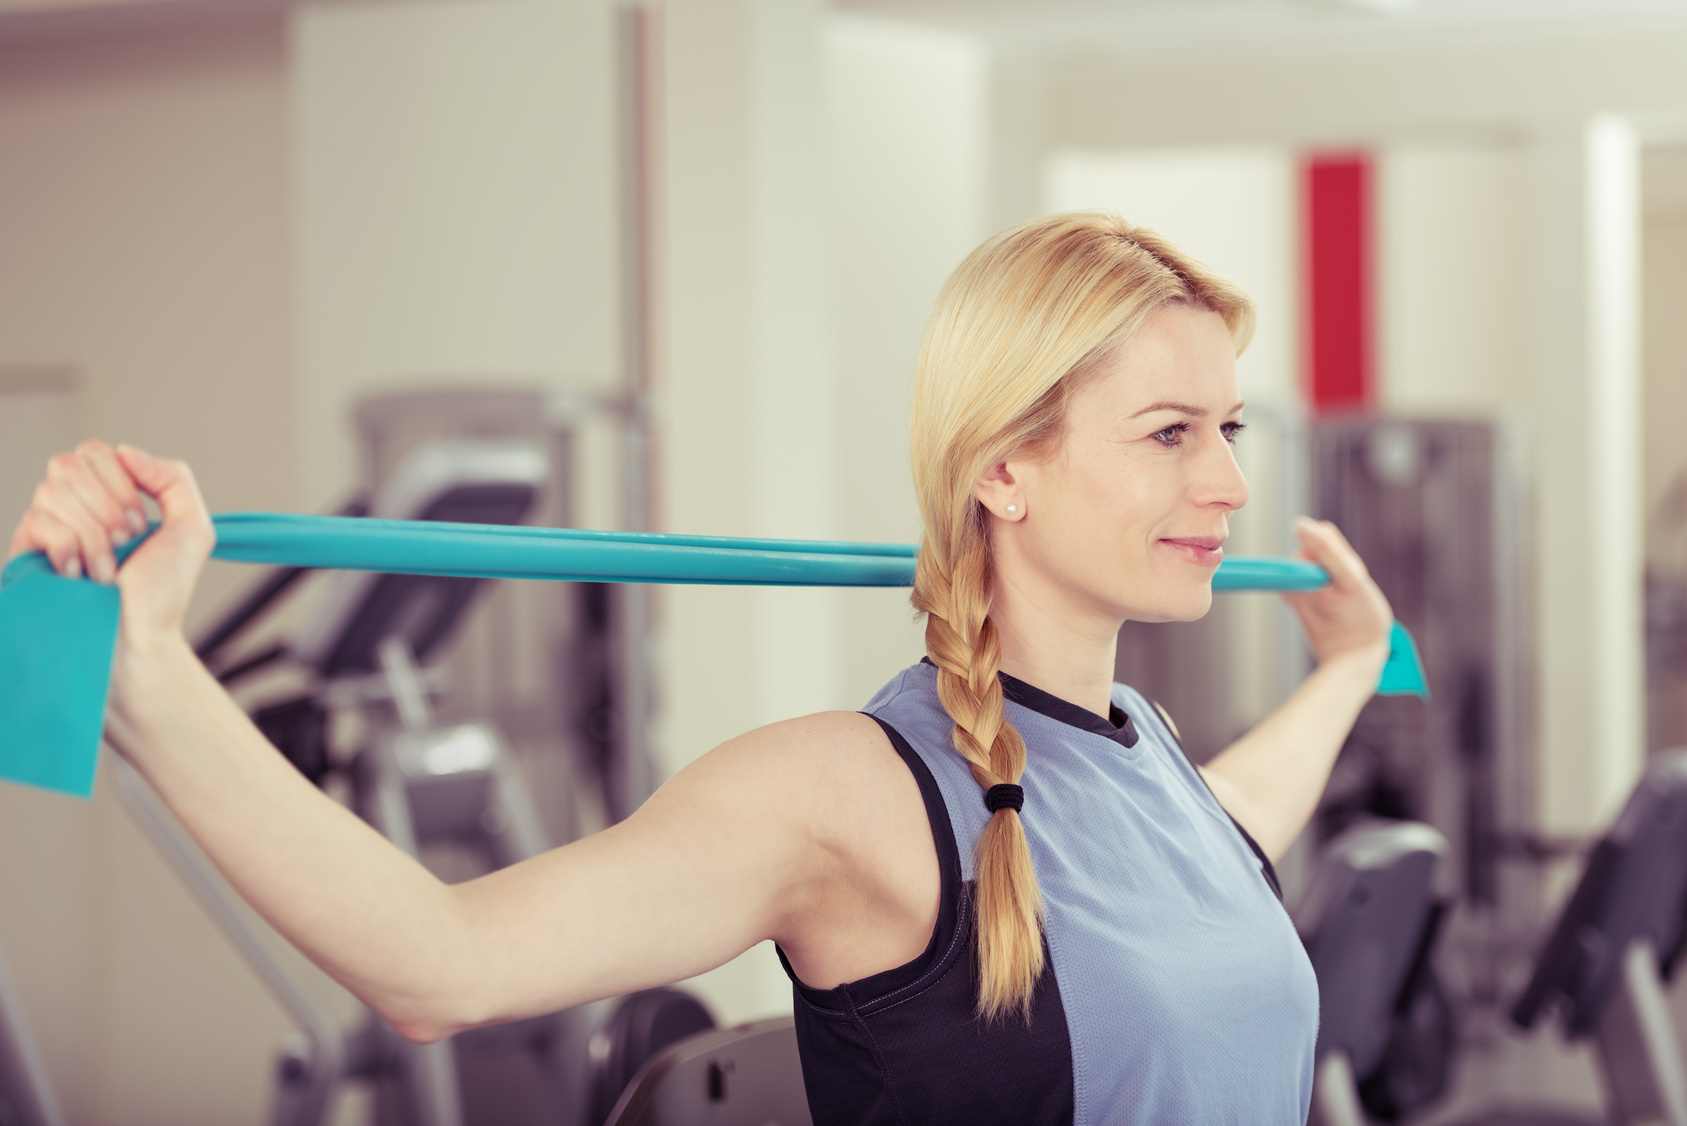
[(945, 934), (1117, 726), (1122, 731)]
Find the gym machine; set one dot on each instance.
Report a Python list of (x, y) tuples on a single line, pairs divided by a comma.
[(1434, 509), (1617, 942), (425, 785), (548, 664), (1369, 922), (745, 1076), (1666, 617)]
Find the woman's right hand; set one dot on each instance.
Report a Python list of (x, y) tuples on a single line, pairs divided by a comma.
[(90, 505)]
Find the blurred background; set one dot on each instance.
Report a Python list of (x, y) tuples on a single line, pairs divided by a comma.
[(687, 251)]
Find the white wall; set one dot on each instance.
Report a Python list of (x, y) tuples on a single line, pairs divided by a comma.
[(1452, 287), (144, 221), (1232, 208), (1384, 91), (908, 119), (455, 193)]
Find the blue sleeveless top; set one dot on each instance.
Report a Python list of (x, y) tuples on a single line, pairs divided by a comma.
[(1175, 989)]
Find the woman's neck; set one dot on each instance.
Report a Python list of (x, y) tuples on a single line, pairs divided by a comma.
[(1048, 644)]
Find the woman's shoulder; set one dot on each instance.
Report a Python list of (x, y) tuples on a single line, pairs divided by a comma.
[(821, 736), (836, 774), (805, 763)]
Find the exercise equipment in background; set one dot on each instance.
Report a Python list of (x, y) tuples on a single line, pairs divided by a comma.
[(442, 791), (1436, 509), (746, 1076), (1616, 943), (1369, 921)]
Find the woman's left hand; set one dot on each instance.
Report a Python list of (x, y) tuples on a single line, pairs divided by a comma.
[(1350, 616), (1271, 778)]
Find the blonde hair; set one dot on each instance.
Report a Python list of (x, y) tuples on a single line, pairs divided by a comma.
[(1018, 327)]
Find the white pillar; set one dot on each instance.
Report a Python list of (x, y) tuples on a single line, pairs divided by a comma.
[(1585, 227), (748, 403), (908, 117), (747, 407)]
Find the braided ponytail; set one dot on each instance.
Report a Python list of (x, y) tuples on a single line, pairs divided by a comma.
[(1017, 329), (962, 643)]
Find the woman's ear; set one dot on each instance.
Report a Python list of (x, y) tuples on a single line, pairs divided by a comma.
[(1002, 492)]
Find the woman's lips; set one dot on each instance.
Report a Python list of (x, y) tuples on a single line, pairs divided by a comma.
[(1208, 551)]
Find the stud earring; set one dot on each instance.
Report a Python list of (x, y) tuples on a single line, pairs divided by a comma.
[(1012, 509)]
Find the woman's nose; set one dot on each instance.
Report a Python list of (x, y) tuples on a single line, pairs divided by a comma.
[(1219, 479)]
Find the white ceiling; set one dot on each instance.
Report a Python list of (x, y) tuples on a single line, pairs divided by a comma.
[(1109, 27), (1155, 25)]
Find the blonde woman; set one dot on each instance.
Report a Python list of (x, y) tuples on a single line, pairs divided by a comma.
[(1002, 892)]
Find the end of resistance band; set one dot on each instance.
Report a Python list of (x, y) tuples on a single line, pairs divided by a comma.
[(57, 636), (1403, 674)]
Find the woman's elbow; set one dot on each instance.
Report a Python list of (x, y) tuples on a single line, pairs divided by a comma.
[(428, 1015), (428, 1023), (422, 1031), (443, 990)]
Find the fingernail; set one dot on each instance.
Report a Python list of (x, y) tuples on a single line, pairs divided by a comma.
[(103, 569), (137, 522), (73, 568), (119, 538)]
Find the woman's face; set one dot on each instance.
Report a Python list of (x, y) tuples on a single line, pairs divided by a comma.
[(1127, 519)]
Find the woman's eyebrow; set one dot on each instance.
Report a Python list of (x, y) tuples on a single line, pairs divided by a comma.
[(1184, 408)]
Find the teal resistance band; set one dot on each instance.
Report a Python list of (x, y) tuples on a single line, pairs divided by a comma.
[(57, 634)]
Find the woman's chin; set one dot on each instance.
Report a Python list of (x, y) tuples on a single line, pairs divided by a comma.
[(1182, 603)]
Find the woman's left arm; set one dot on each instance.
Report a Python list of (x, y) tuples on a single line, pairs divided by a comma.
[(1271, 778)]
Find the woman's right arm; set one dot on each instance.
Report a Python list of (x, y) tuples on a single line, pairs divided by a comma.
[(736, 848), (709, 866)]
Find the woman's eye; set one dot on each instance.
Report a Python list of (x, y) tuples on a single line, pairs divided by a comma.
[(1231, 429), (1171, 435)]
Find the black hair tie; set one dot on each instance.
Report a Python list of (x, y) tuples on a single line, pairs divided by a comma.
[(1004, 796)]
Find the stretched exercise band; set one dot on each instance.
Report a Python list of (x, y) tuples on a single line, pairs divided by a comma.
[(57, 634)]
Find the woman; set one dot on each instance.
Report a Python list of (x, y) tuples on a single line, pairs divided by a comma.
[(1002, 892)]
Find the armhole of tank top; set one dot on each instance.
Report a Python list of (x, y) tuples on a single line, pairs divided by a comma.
[(877, 985), (1266, 868)]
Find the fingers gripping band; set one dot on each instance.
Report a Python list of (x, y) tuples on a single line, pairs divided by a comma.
[(1004, 796), (57, 634)]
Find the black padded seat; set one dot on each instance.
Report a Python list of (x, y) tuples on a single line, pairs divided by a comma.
[(744, 1076), (1368, 922)]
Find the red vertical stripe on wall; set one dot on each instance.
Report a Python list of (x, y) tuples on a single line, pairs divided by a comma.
[(1337, 195)]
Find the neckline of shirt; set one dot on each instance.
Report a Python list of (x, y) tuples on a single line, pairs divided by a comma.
[(1116, 727)]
